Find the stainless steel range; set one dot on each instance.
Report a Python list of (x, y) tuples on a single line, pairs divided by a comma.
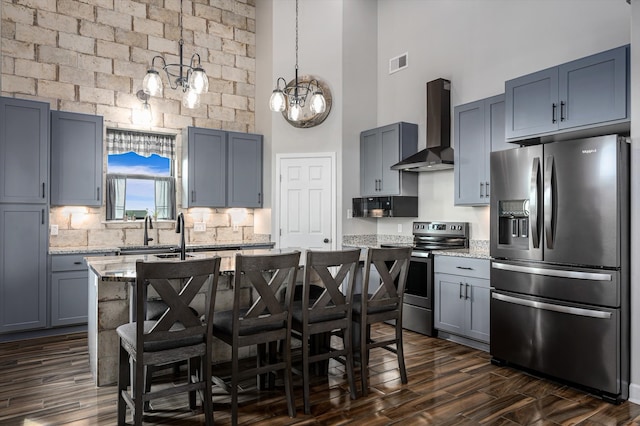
[(418, 297)]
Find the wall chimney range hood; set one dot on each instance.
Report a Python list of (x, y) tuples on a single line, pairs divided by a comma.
[(438, 155)]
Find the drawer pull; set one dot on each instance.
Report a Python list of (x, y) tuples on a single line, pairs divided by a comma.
[(77, 263), (465, 268)]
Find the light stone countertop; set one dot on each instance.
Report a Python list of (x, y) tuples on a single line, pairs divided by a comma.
[(123, 268), (190, 247), (477, 248)]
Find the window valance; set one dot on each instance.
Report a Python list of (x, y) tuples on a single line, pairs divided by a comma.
[(145, 144)]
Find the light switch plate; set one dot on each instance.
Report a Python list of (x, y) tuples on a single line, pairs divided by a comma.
[(199, 227), (54, 229)]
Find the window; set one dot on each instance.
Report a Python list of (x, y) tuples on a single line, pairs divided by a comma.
[(140, 175)]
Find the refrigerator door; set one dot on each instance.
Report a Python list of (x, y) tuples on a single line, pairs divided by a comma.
[(516, 214), (584, 193), (578, 343)]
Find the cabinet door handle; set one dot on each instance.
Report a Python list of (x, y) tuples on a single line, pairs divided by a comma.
[(193, 196), (43, 216), (380, 187), (259, 197), (562, 107), (43, 190), (486, 192), (481, 189), (554, 107), (460, 296), (98, 193), (466, 291)]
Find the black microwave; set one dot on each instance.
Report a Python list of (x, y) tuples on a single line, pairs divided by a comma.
[(398, 206)]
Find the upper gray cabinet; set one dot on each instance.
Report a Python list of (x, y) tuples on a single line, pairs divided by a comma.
[(584, 93), (76, 159), (244, 186), (221, 169), (381, 148), (478, 130), (24, 151), (204, 168)]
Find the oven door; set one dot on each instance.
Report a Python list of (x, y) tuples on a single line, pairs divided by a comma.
[(419, 287)]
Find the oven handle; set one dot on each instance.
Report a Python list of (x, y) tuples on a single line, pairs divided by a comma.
[(592, 276), (552, 307)]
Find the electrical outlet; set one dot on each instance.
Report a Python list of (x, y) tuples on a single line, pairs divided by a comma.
[(54, 229), (349, 214), (399, 227), (199, 227)]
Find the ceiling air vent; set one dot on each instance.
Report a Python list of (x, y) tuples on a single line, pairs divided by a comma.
[(398, 63)]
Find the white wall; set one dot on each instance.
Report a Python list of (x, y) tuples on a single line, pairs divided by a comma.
[(478, 45)]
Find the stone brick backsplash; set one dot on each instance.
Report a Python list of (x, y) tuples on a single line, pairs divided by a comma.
[(82, 226)]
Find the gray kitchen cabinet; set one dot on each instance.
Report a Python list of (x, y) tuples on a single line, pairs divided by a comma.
[(461, 300), (244, 186), (24, 151), (221, 169), (204, 168), (23, 267), (381, 148), (478, 130), (69, 290), (76, 159), (584, 93)]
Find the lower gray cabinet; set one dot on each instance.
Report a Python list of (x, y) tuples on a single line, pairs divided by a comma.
[(23, 267), (69, 290), (69, 299), (462, 295)]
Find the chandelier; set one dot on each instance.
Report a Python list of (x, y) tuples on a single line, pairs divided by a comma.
[(191, 77), (293, 96)]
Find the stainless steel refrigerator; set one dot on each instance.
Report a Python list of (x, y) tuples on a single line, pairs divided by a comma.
[(560, 261)]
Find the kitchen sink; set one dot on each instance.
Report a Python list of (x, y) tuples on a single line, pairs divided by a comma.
[(134, 250), (171, 255)]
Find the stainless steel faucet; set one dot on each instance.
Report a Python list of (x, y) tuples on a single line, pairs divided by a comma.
[(180, 230), (149, 221)]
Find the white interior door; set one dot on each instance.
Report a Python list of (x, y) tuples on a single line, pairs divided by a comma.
[(307, 208)]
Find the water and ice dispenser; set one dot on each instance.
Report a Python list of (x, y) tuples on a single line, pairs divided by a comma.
[(513, 223)]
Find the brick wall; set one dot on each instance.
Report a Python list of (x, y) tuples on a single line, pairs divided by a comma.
[(90, 56)]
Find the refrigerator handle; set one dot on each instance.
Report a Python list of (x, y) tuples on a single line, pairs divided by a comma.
[(548, 201), (533, 203), (591, 313)]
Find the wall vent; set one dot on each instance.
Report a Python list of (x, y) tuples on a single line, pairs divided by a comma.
[(399, 63)]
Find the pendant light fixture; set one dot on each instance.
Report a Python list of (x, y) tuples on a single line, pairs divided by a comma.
[(292, 97), (191, 78)]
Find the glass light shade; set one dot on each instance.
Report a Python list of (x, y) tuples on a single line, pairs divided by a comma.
[(277, 101), (191, 99), (295, 112), (198, 81), (145, 114), (152, 83), (318, 103)]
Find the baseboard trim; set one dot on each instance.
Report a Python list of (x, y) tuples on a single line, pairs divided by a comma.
[(634, 393)]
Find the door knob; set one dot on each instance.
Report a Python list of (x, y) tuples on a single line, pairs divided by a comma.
[(326, 240)]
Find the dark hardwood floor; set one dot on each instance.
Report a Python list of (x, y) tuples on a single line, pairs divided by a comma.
[(47, 381)]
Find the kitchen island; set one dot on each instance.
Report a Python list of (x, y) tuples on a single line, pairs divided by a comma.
[(110, 279)]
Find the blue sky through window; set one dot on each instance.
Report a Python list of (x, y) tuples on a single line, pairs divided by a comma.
[(140, 193)]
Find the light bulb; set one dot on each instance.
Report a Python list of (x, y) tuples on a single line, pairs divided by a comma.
[(152, 83), (191, 99), (295, 112), (198, 81), (145, 115), (277, 101), (318, 103)]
